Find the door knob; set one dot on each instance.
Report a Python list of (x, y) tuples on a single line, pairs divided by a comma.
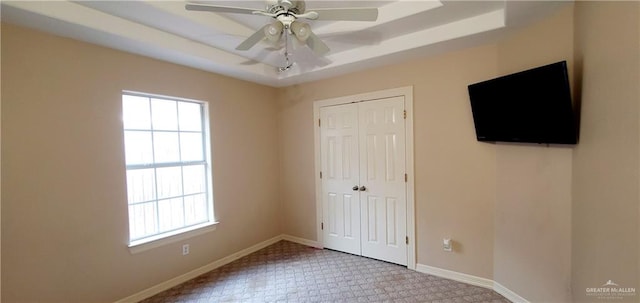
[(362, 188), (355, 187)]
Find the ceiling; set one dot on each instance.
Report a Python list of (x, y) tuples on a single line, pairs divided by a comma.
[(166, 31)]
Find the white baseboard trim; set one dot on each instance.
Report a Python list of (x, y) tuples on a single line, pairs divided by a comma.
[(302, 241), (156, 289), (473, 280), (454, 275), (507, 293)]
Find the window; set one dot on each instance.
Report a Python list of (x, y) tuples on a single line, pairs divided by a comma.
[(168, 166)]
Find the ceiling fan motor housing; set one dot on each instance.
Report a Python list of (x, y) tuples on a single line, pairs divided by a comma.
[(285, 6)]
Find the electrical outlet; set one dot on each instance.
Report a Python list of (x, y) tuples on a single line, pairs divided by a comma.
[(185, 249)]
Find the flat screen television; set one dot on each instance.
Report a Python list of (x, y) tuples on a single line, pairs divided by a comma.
[(532, 106)]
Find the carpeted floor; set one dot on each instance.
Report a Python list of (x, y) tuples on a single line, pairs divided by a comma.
[(290, 272)]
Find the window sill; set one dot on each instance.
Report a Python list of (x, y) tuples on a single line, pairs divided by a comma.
[(151, 243)]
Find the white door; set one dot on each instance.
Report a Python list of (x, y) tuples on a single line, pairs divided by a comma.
[(340, 202), (382, 169), (363, 183)]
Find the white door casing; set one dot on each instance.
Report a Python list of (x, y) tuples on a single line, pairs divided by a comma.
[(363, 185)]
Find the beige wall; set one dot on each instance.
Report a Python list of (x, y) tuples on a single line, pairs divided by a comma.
[(64, 213), (454, 174), (606, 162), (532, 251), (0, 171)]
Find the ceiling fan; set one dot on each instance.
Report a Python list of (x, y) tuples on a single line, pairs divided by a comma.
[(286, 14)]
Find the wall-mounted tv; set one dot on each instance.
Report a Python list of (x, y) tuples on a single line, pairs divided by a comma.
[(532, 106)]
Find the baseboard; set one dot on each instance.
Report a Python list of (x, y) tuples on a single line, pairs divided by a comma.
[(198, 271), (473, 280), (302, 241), (454, 275), (507, 293)]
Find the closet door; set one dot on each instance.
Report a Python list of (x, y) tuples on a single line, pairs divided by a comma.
[(383, 202), (363, 184), (340, 195)]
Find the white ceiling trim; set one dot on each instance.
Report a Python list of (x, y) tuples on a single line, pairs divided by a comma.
[(469, 26), (386, 14), (204, 19), (168, 45), (86, 17)]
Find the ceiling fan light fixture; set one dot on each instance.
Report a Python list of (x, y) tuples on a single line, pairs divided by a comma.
[(286, 13), (273, 31), (301, 30)]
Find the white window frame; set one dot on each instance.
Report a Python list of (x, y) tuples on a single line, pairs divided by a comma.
[(179, 234)]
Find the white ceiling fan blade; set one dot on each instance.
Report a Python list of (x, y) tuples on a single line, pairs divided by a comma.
[(219, 9), (253, 39), (317, 45), (343, 14)]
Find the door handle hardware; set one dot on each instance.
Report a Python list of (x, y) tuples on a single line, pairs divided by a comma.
[(362, 188), (355, 188)]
